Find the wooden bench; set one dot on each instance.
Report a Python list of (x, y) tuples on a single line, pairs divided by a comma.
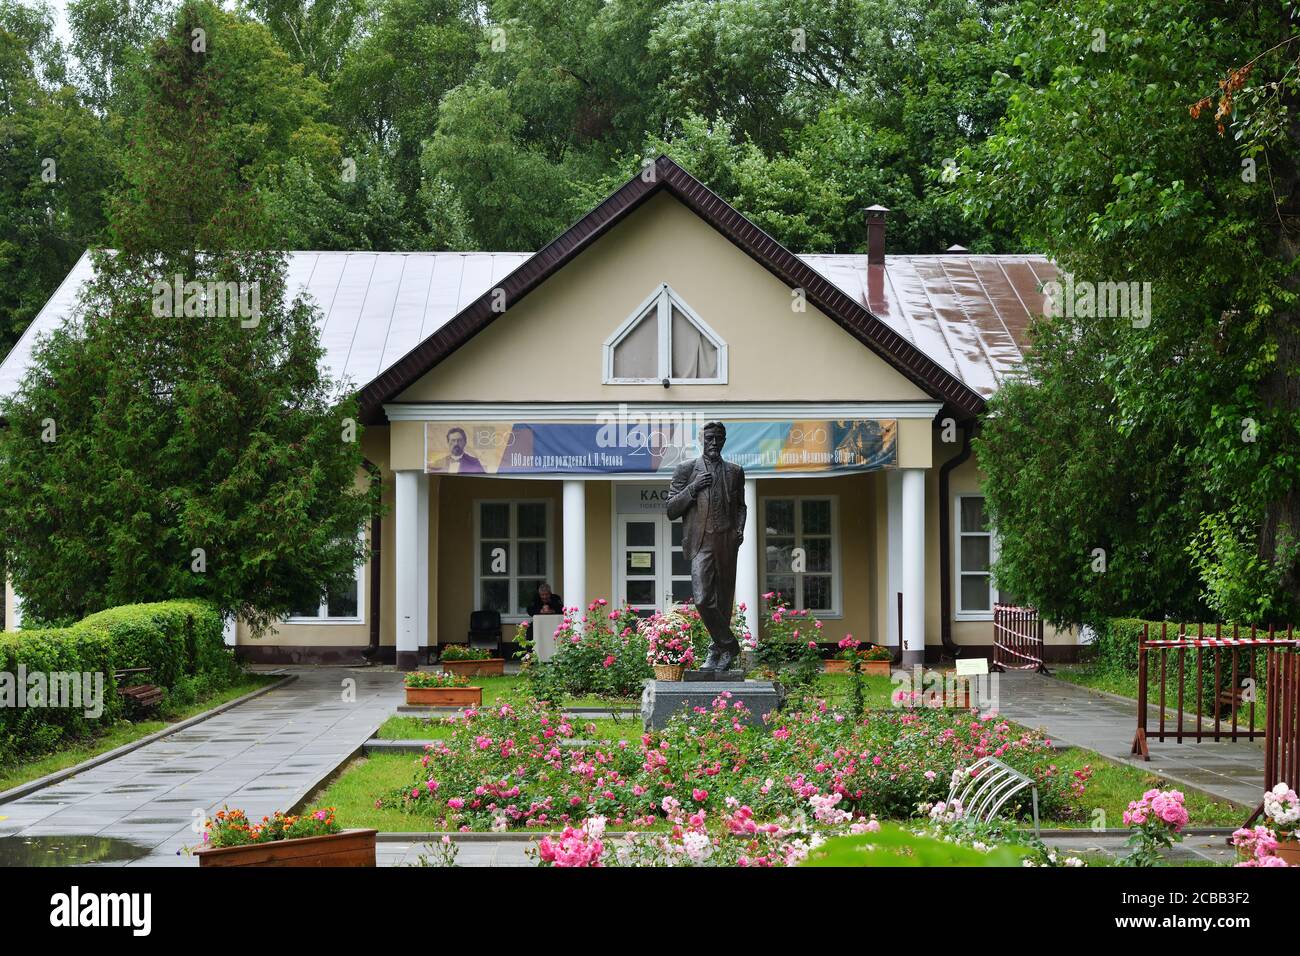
[(142, 695)]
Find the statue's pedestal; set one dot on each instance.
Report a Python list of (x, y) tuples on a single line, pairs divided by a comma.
[(661, 699), (726, 677)]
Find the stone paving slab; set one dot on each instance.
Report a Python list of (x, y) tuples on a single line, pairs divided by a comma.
[(1071, 714), (264, 755)]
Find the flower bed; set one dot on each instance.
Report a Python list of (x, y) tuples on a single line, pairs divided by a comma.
[(503, 767)]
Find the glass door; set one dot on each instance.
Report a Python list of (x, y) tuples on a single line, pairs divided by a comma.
[(639, 545), (653, 574)]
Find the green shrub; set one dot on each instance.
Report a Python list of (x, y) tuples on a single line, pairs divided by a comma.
[(180, 641)]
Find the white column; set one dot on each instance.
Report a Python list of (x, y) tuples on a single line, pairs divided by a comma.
[(229, 633), (406, 567), (913, 535), (893, 554), (422, 550), (747, 560), (575, 544)]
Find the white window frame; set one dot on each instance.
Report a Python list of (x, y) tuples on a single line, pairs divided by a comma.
[(324, 618), (662, 300), (512, 562), (837, 576), (960, 613)]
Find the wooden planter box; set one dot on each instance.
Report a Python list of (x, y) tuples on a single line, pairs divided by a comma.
[(349, 848), (444, 696), (492, 667), (1289, 850)]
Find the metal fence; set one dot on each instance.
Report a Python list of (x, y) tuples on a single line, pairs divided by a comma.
[(1226, 681), (1017, 639), (1282, 734)]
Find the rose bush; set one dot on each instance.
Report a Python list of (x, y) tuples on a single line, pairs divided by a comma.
[(603, 652), (1157, 822)]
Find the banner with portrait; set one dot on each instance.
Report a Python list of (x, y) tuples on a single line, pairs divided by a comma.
[(628, 444)]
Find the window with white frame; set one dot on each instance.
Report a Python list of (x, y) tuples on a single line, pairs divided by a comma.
[(663, 339), (976, 550), (336, 606), (512, 544), (801, 552)]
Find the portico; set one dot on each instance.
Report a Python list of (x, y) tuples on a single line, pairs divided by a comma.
[(811, 528)]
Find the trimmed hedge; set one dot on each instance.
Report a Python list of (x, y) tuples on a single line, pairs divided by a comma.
[(181, 641)]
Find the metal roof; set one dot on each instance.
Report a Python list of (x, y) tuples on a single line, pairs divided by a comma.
[(967, 313)]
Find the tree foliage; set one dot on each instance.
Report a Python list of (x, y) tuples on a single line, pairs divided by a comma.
[(174, 446), (1103, 162)]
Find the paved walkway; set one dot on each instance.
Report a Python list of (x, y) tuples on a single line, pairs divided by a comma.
[(1075, 715), (261, 756)]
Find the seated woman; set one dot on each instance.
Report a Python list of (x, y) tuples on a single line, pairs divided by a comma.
[(545, 601)]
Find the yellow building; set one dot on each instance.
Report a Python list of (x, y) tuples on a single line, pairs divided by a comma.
[(524, 413)]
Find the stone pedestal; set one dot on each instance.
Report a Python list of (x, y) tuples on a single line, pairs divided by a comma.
[(662, 699), (717, 677)]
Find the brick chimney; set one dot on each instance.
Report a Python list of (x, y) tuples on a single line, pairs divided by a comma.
[(876, 235)]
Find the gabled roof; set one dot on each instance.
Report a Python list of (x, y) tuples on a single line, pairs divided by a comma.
[(954, 324), (928, 374)]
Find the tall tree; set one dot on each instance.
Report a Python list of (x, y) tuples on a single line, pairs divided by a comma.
[(110, 41), (55, 169), (179, 439), (1101, 162)]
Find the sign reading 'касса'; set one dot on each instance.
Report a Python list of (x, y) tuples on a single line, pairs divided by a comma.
[(638, 445)]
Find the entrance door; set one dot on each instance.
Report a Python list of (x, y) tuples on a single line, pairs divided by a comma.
[(653, 575)]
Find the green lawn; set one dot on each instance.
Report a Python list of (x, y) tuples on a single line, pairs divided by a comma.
[(1114, 785), (425, 728), (876, 690), (123, 732)]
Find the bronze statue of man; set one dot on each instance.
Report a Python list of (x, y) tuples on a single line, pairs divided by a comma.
[(708, 494)]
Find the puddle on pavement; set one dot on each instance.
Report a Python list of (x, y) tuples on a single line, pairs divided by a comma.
[(67, 850)]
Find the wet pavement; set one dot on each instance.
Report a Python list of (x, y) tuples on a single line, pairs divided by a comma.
[(262, 756), (1075, 715)]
